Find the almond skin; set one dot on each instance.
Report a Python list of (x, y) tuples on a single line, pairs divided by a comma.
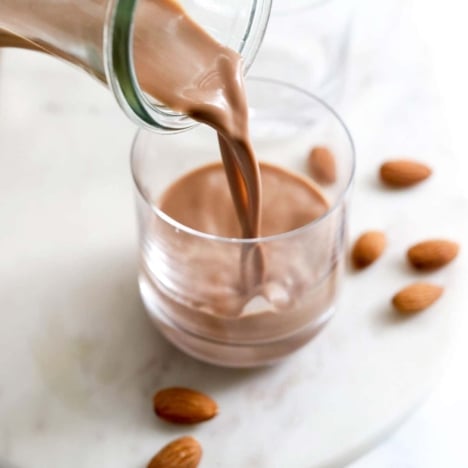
[(368, 248), (185, 452), (401, 173), (184, 406), (416, 297), (322, 165), (432, 254)]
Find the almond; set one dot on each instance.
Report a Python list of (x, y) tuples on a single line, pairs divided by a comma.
[(404, 173), (416, 297), (322, 165), (184, 406), (368, 248), (185, 452), (432, 254)]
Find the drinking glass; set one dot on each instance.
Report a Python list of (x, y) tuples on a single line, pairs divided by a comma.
[(307, 43), (182, 270)]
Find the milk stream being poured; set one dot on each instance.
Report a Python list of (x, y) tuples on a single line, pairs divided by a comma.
[(198, 76)]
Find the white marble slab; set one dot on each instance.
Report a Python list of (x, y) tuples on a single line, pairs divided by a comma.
[(79, 360)]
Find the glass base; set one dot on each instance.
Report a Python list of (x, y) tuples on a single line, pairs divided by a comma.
[(229, 354)]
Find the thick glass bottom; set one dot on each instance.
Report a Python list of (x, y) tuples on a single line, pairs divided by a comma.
[(229, 354)]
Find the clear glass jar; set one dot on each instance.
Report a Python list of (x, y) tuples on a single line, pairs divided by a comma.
[(97, 36)]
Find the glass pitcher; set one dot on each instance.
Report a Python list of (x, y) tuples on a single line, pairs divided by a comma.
[(97, 36)]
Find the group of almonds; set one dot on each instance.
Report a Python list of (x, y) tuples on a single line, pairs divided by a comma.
[(425, 256), (428, 255), (181, 406), (186, 406)]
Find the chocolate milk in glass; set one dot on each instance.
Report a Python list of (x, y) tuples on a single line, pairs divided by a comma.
[(238, 198)]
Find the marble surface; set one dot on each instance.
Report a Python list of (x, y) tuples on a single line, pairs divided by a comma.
[(79, 360), (434, 436)]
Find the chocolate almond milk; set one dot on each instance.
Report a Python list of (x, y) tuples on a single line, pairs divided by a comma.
[(198, 76), (237, 304), (211, 296)]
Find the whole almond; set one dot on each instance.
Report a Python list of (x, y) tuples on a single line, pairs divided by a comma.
[(404, 172), (432, 254), (368, 248), (322, 165), (184, 406), (416, 297), (185, 452)]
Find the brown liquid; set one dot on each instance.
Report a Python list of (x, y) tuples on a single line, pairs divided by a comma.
[(195, 290), (198, 76), (202, 201), (279, 293)]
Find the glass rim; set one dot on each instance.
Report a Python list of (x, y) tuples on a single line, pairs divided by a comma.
[(120, 70), (262, 239)]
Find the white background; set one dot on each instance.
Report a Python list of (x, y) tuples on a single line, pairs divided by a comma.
[(435, 436)]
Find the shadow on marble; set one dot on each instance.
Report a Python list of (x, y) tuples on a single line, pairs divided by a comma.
[(388, 317)]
